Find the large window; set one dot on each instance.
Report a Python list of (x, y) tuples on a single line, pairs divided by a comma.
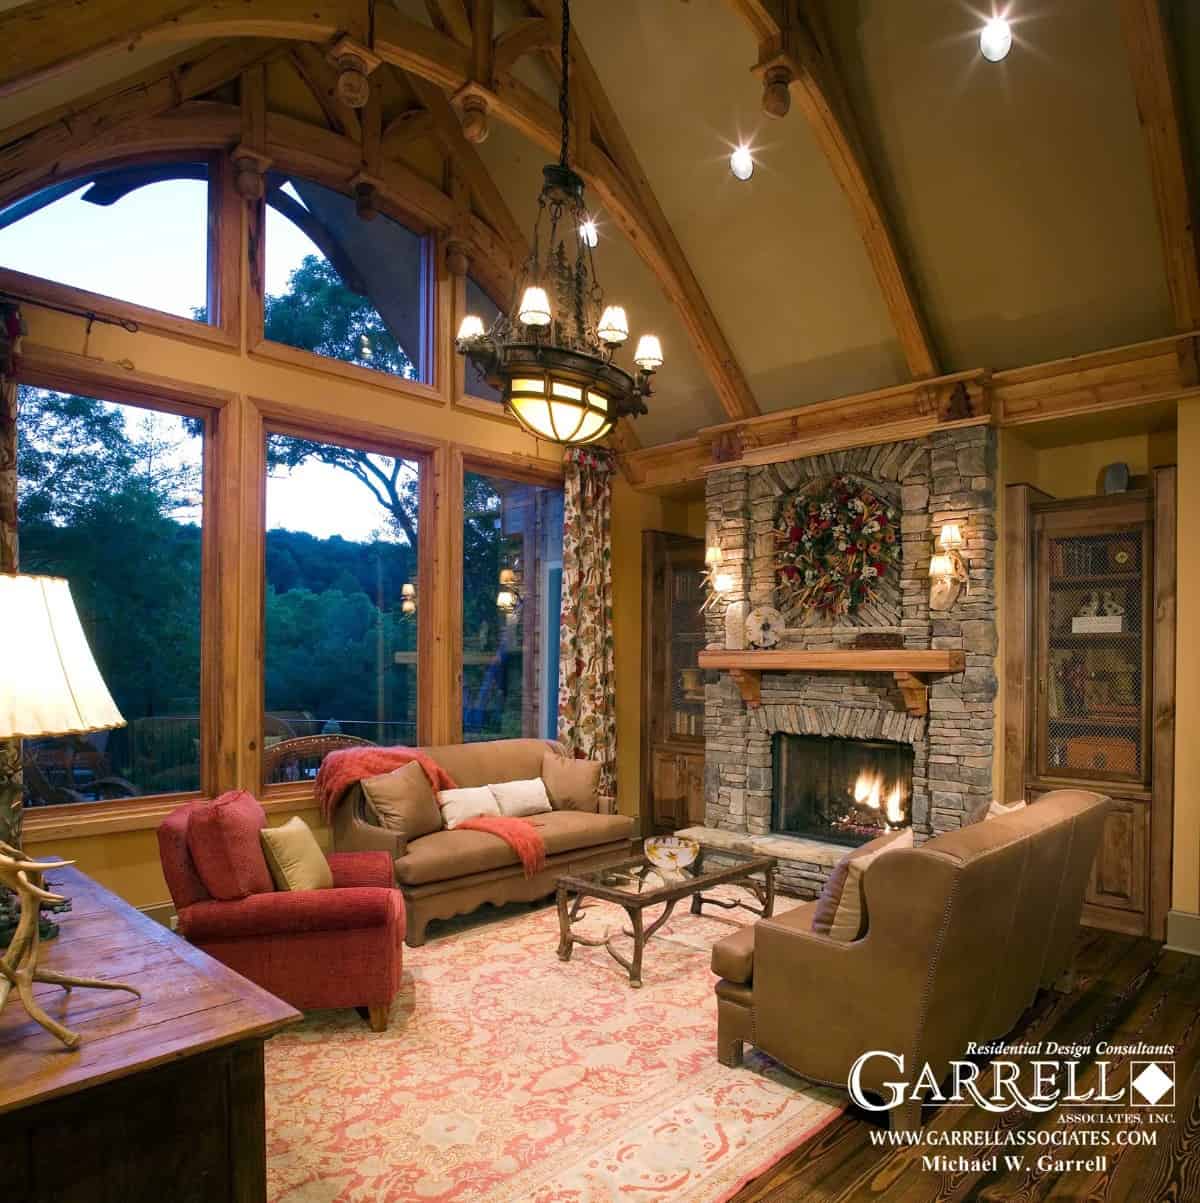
[(137, 234), (111, 497), (512, 594), (341, 599), (340, 286)]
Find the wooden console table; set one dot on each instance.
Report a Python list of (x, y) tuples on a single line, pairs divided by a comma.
[(164, 1097)]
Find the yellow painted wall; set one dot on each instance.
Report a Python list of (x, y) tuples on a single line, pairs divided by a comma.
[(634, 513), (1185, 893)]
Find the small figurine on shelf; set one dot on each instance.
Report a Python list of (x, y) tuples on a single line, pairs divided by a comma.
[(1109, 605), (1091, 607)]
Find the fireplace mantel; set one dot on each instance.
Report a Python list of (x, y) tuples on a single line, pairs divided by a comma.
[(910, 667)]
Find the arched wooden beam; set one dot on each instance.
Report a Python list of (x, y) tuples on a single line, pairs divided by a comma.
[(521, 38), (294, 147), (28, 54), (792, 40)]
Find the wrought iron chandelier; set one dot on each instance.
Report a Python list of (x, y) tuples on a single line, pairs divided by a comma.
[(551, 354)]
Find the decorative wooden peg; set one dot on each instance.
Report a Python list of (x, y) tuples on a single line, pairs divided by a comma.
[(458, 257), (471, 101), (777, 92), (354, 64), (250, 170), (18, 967)]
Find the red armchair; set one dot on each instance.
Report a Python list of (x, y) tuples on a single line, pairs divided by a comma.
[(315, 949)]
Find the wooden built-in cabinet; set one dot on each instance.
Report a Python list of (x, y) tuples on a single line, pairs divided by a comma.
[(673, 683), (1090, 679)]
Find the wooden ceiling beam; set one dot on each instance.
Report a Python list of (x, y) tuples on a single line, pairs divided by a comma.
[(1143, 375), (525, 36), (27, 150), (795, 53), (450, 17), (321, 79), (28, 55), (644, 220), (1152, 67)]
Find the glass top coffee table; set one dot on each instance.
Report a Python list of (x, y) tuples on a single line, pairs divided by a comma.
[(636, 884)]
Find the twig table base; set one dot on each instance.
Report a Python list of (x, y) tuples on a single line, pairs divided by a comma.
[(636, 885)]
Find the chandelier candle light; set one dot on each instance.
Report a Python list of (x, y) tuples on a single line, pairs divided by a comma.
[(551, 354)]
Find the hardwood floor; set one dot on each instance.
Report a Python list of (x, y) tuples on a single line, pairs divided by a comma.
[(1128, 991)]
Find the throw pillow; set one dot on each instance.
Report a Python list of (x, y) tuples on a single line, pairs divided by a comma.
[(222, 839), (841, 912), (991, 810), (404, 801), (517, 799), (571, 784), (469, 803), (295, 857)]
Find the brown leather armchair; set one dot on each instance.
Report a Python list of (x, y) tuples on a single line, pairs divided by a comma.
[(962, 932)]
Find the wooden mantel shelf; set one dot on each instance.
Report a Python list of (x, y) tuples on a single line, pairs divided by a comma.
[(910, 667)]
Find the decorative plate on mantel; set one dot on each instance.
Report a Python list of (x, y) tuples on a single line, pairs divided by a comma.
[(764, 627)]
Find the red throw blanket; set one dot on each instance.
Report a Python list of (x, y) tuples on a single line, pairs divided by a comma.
[(341, 769), (519, 834)]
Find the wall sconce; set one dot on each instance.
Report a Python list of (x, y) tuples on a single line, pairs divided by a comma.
[(947, 571), (408, 598), (714, 581), (509, 596)]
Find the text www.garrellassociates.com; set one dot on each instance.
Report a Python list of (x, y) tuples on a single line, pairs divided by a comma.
[(1049, 1138)]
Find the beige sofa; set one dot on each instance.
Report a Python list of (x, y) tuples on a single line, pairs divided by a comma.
[(961, 934), (452, 872)]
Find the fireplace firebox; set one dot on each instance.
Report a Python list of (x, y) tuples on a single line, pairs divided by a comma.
[(845, 790)]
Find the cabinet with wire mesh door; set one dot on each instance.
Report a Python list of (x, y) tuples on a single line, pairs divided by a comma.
[(1094, 681)]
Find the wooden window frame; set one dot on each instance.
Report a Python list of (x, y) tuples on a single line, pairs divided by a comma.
[(74, 374), (359, 436), (431, 391), (223, 243), (514, 468)]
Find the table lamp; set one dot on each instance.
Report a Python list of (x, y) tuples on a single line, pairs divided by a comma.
[(49, 685)]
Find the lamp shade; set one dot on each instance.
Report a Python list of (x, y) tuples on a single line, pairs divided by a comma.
[(49, 682)]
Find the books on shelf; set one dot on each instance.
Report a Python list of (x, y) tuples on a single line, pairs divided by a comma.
[(685, 722)]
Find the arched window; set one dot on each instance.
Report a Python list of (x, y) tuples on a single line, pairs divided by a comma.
[(137, 234), (341, 286), (480, 303)]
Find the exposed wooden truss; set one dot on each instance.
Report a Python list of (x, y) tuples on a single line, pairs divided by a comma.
[(28, 55), (1145, 374), (794, 52), (1152, 67)]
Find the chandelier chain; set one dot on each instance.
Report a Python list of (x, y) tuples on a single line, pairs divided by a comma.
[(564, 103)]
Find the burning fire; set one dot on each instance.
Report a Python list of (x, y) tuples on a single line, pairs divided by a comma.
[(868, 791)]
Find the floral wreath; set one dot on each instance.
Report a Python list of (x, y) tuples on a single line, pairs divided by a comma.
[(834, 546)]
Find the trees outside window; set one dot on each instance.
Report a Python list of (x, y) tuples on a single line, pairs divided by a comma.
[(342, 287), (111, 497), (342, 610), (512, 593)]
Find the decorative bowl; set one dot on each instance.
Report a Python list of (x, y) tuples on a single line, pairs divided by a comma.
[(671, 854)]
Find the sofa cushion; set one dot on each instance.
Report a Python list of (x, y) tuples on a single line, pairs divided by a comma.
[(841, 911), (404, 801), (520, 799), (446, 855), (469, 803), (225, 848), (733, 956), (295, 858), (571, 784)]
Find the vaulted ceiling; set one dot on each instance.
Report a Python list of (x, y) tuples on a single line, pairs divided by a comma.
[(918, 211)]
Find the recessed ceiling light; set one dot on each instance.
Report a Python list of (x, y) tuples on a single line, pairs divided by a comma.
[(995, 39), (589, 233), (741, 162)]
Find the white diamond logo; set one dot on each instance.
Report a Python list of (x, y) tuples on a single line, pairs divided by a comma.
[(1154, 1081)]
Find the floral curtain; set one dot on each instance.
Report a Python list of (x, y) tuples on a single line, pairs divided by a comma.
[(10, 749), (587, 720)]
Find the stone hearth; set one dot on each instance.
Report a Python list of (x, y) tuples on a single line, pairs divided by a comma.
[(948, 476)]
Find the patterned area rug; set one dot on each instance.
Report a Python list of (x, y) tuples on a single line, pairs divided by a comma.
[(507, 1076)]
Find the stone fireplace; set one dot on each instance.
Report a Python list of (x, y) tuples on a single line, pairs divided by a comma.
[(845, 790), (758, 776)]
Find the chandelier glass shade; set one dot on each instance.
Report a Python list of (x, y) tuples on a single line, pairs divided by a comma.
[(551, 354)]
